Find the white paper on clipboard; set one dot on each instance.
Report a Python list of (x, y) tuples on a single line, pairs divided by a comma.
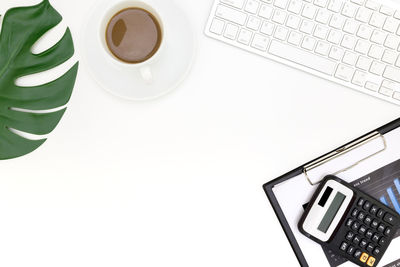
[(299, 189)]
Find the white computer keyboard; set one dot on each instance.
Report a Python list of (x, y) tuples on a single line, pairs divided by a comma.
[(354, 42)]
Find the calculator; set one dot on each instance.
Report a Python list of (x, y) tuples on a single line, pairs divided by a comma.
[(349, 222)]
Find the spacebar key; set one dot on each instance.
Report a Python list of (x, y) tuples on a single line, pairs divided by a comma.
[(302, 57)]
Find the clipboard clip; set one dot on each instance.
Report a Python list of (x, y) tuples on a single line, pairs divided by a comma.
[(370, 145)]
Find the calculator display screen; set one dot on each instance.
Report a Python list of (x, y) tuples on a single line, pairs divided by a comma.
[(331, 212)]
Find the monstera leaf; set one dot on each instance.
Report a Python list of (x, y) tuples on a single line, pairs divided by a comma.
[(31, 109)]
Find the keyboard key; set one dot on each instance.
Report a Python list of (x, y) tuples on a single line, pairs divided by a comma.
[(391, 85), (392, 74), (372, 5), (335, 5), (392, 42), (336, 53), (279, 16), (293, 22), (231, 15), (364, 63), (375, 238), (376, 52), (377, 68), (295, 38), (345, 73), (253, 23), (344, 246), (321, 3), (320, 32), (281, 33), (323, 16), (349, 42), (388, 231), (359, 79), (295, 6), (396, 95), (357, 254), (337, 21), (362, 47), (391, 25), (281, 3), (370, 247), (302, 57), (389, 57), (309, 43), (351, 59), (377, 20), (351, 26), (309, 11), (235, 3), (358, 2), (349, 10), (363, 15), (371, 261), (372, 86), (322, 48), (252, 6), (245, 36), (334, 37), (307, 26), (363, 243), (267, 28), (260, 42), (265, 12), (389, 218), (387, 10), (378, 37), (369, 233), (364, 32), (231, 31), (381, 227), (217, 26), (377, 251)]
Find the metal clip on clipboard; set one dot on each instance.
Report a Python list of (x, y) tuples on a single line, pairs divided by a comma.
[(345, 158)]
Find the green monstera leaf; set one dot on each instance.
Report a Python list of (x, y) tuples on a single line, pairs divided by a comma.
[(31, 109)]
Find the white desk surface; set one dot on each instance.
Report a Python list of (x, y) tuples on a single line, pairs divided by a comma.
[(177, 181)]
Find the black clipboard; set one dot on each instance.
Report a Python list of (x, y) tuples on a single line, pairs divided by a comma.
[(301, 169)]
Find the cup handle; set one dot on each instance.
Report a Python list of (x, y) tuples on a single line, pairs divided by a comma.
[(146, 74)]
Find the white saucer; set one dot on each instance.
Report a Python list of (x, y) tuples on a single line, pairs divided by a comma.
[(168, 72)]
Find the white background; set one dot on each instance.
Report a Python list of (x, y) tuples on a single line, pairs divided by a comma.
[(176, 181)]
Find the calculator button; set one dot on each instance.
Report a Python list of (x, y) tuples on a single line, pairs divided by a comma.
[(349, 222), (375, 238), (360, 202), (374, 210), (367, 205), (377, 251), (380, 213), (382, 241), (370, 247), (344, 246), (356, 240), (357, 254), (363, 243), (369, 233), (361, 216), (355, 226), (368, 220), (381, 228), (389, 218), (371, 261), (388, 231), (350, 236), (351, 250), (374, 224), (362, 229), (364, 257), (354, 213)]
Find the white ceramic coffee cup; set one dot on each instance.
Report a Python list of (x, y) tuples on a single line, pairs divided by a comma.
[(144, 68)]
